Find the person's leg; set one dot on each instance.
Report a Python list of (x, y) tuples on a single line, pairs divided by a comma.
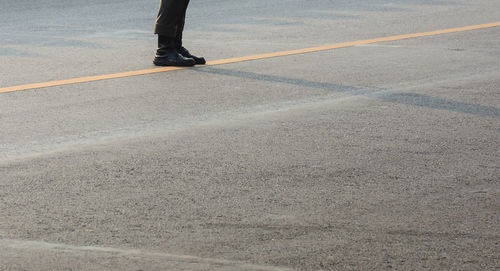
[(178, 39), (170, 13), (180, 25)]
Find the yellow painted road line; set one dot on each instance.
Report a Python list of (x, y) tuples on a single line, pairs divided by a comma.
[(87, 79), (246, 58)]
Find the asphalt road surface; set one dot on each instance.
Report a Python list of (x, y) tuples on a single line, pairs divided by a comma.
[(383, 155)]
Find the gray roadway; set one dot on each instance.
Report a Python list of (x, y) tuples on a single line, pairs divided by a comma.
[(373, 157)]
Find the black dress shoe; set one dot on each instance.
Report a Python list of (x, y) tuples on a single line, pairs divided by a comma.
[(185, 53), (170, 57)]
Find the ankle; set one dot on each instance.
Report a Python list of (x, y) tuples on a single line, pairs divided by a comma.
[(165, 42)]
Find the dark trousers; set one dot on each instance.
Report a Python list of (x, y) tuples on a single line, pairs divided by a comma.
[(171, 17)]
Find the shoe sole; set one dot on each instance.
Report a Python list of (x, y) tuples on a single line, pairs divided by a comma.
[(175, 64), (172, 64)]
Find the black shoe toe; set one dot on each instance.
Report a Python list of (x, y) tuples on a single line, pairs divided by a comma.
[(185, 53)]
